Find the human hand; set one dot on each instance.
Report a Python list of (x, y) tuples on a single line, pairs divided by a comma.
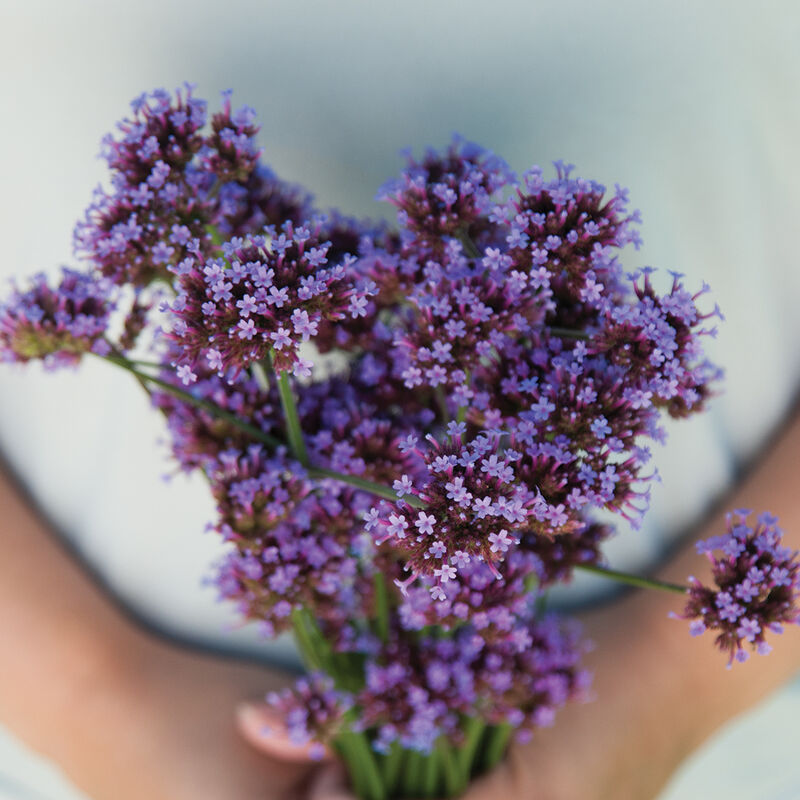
[(159, 724)]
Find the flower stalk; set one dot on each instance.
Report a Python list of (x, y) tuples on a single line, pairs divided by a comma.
[(633, 580), (294, 432)]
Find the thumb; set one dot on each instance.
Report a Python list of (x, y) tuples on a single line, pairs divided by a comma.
[(265, 730)]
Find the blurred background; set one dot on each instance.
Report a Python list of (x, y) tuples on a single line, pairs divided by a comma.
[(692, 105)]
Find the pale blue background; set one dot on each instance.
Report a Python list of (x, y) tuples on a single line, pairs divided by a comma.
[(694, 106)]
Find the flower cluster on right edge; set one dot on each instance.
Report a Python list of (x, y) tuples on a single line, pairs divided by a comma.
[(757, 586)]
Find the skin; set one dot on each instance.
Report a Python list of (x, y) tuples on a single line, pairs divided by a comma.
[(127, 715)]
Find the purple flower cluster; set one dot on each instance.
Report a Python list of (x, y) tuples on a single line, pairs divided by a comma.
[(264, 297), (564, 234), (415, 693), (294, 540), (498, 371), (176, 187), (472, 509), (261, 200), (756, 586), (657, 342), (474, 595), (447, 195), (464, 321), (348, 432), (58, 324), (313, 711)]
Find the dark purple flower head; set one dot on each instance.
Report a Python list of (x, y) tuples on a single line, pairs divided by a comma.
[(375, 268), (261, 200), (298, 543), (448, 195), (525, 679), (256, 491), (756, 586), (349, 431), (476, 597), (473, 509), (153, 209), (463, 322), (58, 324), (657, 341), (416, 691), (168, 188), (313, 711), (565, 232), (579, 433), (162, 128), (230, 152), (263, 298)]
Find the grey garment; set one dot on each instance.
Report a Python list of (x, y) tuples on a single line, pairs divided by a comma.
[(693, 106)]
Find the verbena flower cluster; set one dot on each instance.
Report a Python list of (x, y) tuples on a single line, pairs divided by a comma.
[(58, 324), (485, 381), (261, 300), (756, 586), (418, 690), (313, 711), (168, 199)]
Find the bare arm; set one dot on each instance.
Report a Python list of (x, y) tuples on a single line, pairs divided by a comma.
[(125, 715)]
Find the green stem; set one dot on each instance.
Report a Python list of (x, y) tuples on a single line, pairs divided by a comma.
[(137, 362), (470, 249), (441, 401), (342, 745), (566, 333), (305, 641), (541, 605), (294, 432), (260, 374), (392, 768), (474, 728), (454, 781), (633, 580), (412, 776), (431, 773), (198, 402), (362, 766), (378, 489), (496, 744)]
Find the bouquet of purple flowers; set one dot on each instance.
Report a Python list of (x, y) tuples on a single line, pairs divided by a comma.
[(409, 433)]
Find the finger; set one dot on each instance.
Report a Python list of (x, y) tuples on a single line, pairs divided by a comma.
[(330, 783), (264, 729)]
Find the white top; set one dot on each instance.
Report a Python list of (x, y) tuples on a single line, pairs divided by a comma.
[(693, 106)]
